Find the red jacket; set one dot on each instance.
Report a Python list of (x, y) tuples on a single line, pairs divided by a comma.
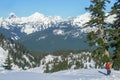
[(108, 66)]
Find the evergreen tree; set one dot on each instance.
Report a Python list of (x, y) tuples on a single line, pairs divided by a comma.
[(115, 35), (47, 68), (8, 63), (1, 37), (98, 38)]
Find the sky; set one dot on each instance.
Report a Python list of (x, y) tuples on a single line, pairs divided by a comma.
[(63, 8)]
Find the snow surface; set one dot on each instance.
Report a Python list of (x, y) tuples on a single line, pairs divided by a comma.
[(82, 19), (40, 38), (110, 19), (80, 74), (58, 32), (3, 56)]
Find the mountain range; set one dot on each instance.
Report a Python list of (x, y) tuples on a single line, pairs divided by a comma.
[(48, 33)]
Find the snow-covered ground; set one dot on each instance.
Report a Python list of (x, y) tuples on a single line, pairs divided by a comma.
[(37, 73), (80, 74)]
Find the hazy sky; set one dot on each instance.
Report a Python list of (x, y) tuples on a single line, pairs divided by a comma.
[(63, 8)]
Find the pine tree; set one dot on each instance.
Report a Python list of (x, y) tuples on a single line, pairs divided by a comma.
[(1, 37), (47, 68), (98, 38), (8, 63), (115, 35)]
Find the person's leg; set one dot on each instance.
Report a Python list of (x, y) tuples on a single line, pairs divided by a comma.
[(108, 72)]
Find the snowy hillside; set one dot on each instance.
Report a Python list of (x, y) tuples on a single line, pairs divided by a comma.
[(14, 55), (62, 61), (82, 74), (3, 56)]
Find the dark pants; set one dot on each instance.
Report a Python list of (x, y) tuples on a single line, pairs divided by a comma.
[(108, 72)]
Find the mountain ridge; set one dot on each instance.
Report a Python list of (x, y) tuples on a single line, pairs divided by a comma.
[(63, 31), (37, 22)]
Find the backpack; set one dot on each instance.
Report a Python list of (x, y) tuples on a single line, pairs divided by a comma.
[(108, 66)]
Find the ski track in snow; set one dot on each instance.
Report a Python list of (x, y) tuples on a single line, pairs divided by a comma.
[(80, 74)]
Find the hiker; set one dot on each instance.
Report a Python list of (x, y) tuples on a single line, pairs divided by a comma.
[(108, 67)]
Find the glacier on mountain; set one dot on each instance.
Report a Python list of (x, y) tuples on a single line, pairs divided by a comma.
[(58, 32)]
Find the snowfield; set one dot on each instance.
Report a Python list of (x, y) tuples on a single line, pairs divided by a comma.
[(37, 73), (80, 74)]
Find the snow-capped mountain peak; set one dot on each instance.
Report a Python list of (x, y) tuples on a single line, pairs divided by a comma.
[(37, 14), (36, 17), (57, 18), (110, 19), (12, 16), (38, 22), (81, 20)]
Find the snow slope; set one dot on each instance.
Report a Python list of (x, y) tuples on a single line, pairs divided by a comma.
[(81, 74), (3, 56)]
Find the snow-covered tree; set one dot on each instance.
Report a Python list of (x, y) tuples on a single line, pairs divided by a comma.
[(8, 63)]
